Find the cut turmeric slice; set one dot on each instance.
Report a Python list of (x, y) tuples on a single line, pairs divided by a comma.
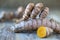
[(41, 32)]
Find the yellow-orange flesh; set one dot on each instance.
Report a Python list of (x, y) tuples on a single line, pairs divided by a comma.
[(41, 32)]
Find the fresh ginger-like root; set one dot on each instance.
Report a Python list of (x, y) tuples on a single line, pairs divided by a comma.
[(44, 13), (28, 10), (38, 7), (43, 31), (33, 24)]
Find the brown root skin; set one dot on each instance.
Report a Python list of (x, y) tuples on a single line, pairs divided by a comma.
[(28, 10), (38, 7), (44, 13), (35, 23)]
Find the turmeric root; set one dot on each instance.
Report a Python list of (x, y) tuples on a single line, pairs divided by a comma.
[(33, 24), (44, 13), (44, 31), (28, 10), (12, 15), (33, 14), (38, 7)]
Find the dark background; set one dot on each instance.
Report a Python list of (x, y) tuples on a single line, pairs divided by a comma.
[(16, 3)]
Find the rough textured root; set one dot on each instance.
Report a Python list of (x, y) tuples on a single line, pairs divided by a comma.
[(38, 7), (7, 34), (33, 24), (28, 10), (44, 31), (44, 13), (51, 24)]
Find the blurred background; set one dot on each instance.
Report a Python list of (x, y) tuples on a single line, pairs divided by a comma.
[(54, 6), (17, 3)]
